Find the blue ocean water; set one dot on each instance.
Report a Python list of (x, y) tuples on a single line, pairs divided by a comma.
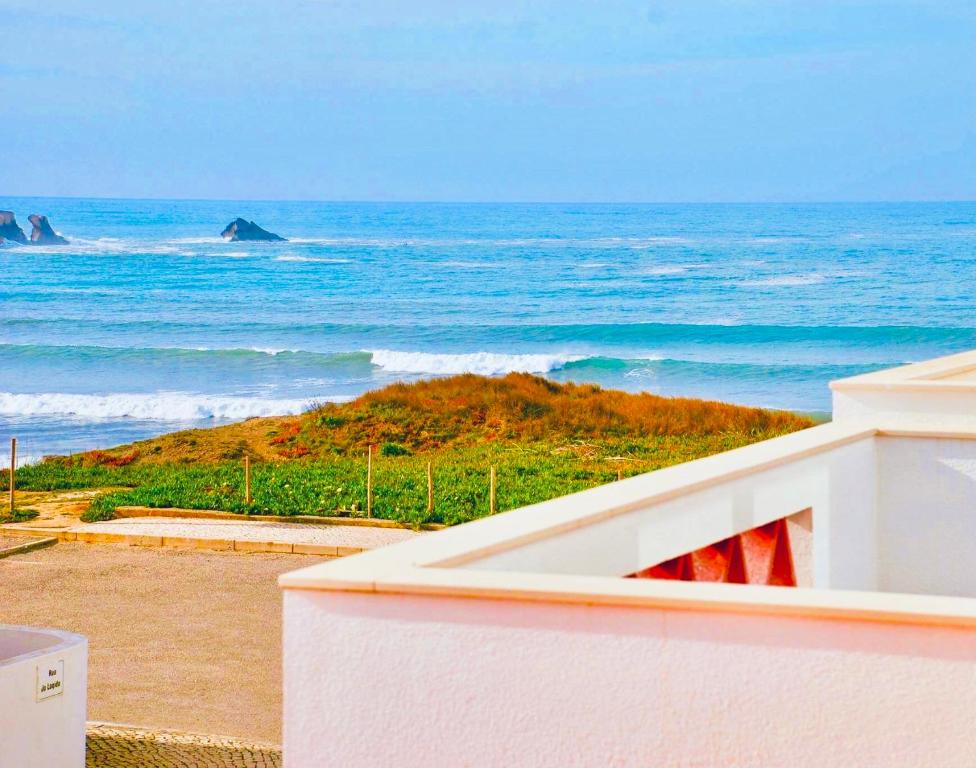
[(149, 322)]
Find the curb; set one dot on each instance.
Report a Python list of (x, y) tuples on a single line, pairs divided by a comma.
[(142, 731), (224, 545), (30, 546), (208, 514)]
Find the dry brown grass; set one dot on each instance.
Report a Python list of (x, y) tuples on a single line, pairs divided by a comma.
[(459, 411), (428, 414)]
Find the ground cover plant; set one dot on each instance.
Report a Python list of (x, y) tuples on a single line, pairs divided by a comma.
[(19, 515), (545, 440)]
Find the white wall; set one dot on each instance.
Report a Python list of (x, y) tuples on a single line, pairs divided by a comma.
[(839, 485), (927, 520), (49, 733), (410, 681), (855, 404)]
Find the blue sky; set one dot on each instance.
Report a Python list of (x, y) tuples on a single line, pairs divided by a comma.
[(732, 100)]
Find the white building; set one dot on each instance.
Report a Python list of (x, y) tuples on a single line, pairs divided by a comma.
[(518, 640)]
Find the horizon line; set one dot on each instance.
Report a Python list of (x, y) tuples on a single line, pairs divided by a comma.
[(396, 201)]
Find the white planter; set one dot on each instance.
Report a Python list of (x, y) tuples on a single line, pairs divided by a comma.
[(43, 696)]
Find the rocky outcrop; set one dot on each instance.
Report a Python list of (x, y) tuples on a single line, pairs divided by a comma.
[(9, 229), (240, 229), (42, 234)]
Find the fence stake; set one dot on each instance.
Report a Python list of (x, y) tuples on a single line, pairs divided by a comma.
[(620, 474), (13, 469), (369, 481), (430, 487), (492, 499), (247, 480)]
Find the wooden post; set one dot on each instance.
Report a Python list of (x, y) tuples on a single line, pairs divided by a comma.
[(369, 481), (13, 470), (247, 480), (492, 489), (430, 488), (620, 474)]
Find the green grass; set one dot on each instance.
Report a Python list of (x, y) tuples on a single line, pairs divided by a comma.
[(19, 515), (527, 473)]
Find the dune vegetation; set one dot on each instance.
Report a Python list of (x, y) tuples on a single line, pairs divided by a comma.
[(544, 439)]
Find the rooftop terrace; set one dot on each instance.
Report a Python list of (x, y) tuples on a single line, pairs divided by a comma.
[(815, 558)]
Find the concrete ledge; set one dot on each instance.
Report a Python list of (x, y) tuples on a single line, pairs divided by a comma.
[(242, 545), (96, 537), (926, 376), (29, 546), (209, 514), (186, 542), (315, 549), (33, 533)]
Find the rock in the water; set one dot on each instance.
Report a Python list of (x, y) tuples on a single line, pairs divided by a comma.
[(9, 229), (240, 229), (42, 234)]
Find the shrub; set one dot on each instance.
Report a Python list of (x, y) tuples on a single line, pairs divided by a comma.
[(20, 514), (546, 440)]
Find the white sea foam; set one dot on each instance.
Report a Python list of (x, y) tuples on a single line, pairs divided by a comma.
[(672, 269), (516, 242), (485, 363), (311, 259), (661, 240), (785, 280), (466, 264), (188, 245), (116, 246), (265, 350), (776, 239), (160, 406)]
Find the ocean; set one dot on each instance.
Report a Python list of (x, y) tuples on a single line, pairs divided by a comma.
[(148, 322)]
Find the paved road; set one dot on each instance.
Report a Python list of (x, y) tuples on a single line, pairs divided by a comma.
[(114, 746), (179, 639)]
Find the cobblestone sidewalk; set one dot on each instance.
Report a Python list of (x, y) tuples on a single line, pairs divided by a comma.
[(116, 746)]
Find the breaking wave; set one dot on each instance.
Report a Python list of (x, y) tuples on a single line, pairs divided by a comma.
[(160, 406), (485, 363)]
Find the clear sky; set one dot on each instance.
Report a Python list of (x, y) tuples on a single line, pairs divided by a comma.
[(604, 100)]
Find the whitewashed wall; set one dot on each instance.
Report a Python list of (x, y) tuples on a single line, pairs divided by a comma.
[(412, 680), (927, 520), (872, 404), (839, 485), (415, 682)]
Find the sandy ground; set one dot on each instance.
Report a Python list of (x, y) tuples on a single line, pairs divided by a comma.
[(182, 639), (11, 541), (56, 509)]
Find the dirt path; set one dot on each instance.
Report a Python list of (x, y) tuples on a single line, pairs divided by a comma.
[(56, 509), (179, 639)]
